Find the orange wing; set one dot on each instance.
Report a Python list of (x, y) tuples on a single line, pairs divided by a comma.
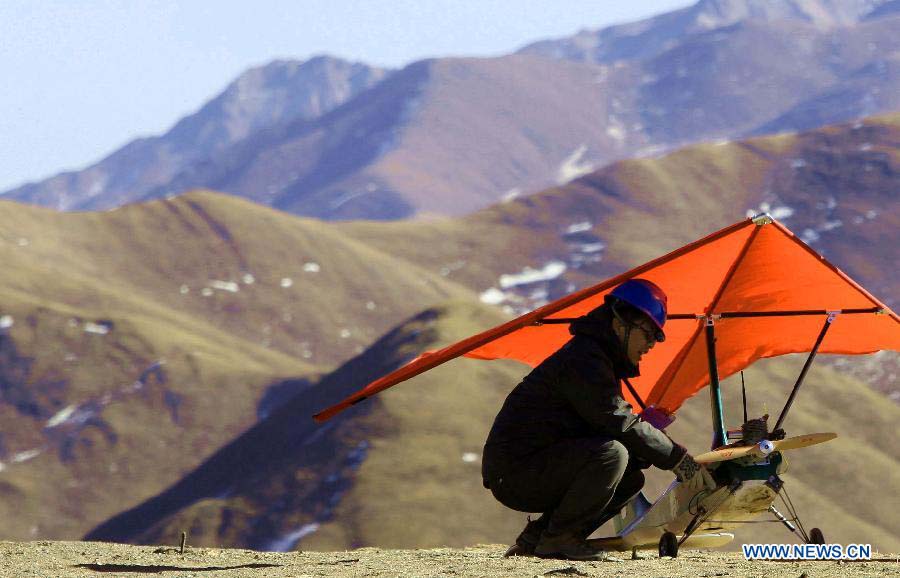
[(754, 266)]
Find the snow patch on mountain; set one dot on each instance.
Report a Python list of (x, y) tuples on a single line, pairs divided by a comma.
[(286, 542), (809, 236), (579, 227), (584, 246), (66, 425), (551, 270), (615, 132), (22, 457), (345, 198), (591, 247), (830, 225), (101, 328), (776, 211), (333, 488), (521, 292), (493, 296), (61, 416), (573, 166), (229, 286), (470, 457)]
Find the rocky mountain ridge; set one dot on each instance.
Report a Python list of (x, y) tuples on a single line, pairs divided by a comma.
[(280, 92), (451, 136), (648, 37)]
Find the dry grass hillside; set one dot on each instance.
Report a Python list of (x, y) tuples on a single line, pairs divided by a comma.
[(402, 470), (834, 187), (416, 489), (231, 297), (248, 306), (288, 473)]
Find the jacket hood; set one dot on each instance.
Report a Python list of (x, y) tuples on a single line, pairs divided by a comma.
[(597, 325)]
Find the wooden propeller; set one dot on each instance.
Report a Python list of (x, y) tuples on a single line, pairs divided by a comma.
[(763, 448)]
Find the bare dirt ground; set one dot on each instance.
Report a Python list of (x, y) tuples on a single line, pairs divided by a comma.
[(81, 559)]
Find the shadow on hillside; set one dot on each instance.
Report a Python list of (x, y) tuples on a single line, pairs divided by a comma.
[(138, 568)]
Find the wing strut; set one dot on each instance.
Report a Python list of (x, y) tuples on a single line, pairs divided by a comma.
[(715, 390), (812, 355)]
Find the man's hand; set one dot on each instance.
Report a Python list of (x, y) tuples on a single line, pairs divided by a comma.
[(695, 476)]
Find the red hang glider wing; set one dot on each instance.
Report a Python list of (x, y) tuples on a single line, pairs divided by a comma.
[(755, 265), (778, 272)]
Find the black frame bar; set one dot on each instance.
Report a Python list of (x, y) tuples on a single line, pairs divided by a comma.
[(738, 314), (715, 390), (634, 393), (812, 355)]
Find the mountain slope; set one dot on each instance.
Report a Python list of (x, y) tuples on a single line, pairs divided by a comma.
[(651, 36), (244, 496), (450, 136), (469, 134), (871, 89), (402, 469), (136, 342), (277, 93), (399, 470), (248, 306), (834, 187)]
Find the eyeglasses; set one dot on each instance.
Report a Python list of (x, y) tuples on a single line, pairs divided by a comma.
[(653, 334), (650, 334)]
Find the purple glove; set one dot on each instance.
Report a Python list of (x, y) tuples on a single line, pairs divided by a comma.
[(657, 417)]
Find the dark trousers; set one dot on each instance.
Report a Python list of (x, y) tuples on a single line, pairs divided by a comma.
[(577, 484)]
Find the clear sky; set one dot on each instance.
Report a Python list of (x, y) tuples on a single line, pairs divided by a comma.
[(83, 77)]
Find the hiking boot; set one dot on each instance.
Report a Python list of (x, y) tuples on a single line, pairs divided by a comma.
[(567, 547), (528, 539), (519, 550)]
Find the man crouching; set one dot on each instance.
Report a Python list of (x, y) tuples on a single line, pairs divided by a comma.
[(567, 444)]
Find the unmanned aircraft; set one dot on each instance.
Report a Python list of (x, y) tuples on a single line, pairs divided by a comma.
[(750, 291)]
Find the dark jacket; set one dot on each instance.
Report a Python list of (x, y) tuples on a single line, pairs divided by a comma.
[(574, 393)]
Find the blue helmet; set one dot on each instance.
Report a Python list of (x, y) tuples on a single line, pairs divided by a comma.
[(643, 296)]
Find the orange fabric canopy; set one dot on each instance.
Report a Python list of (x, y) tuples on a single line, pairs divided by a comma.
[(753, 266)]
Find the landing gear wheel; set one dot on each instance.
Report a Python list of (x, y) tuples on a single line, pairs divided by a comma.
[(816, 536), (668, 545)]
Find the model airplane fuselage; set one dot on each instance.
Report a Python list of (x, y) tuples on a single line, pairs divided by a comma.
[(749, 485)]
